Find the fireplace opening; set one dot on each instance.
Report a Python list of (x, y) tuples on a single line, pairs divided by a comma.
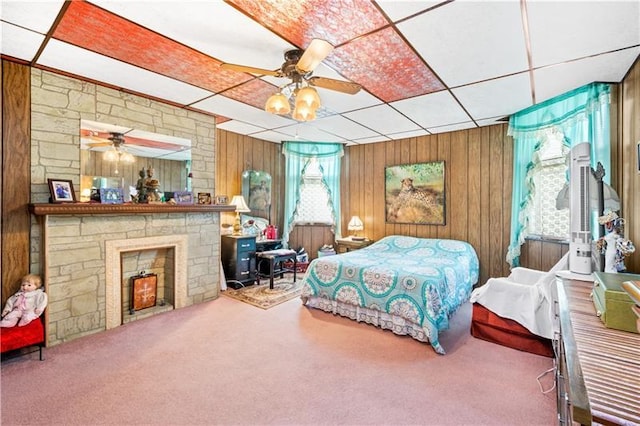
[(149, 274), (134, 255)]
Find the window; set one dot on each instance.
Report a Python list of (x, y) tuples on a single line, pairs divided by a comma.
[(549, 177), (314, 204)]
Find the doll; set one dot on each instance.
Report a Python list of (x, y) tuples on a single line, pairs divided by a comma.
[(25, 305), (613, 244)]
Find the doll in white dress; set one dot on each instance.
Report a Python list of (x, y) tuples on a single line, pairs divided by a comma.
[(25, 305), (614, 245)]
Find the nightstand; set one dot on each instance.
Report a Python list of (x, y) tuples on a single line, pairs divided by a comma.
[(344, 245)]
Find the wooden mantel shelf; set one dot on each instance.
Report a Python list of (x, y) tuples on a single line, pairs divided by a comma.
[(45, 209)]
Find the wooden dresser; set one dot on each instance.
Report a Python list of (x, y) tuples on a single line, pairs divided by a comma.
[(598, 368)]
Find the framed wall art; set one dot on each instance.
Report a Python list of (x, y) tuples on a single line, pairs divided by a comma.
[(111, 196), (61, 191), (256, 188), (183, 197), (204, 198), (415, 193)]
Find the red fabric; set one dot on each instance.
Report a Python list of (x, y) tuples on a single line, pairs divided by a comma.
[(488, 326), (21, 337)]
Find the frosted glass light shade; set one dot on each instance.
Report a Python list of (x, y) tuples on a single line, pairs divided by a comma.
[(277, 104), (303, 113), (111, 155), (309, 96), (355, 224)]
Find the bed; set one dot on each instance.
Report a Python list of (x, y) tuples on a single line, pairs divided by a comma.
[(408, 285)]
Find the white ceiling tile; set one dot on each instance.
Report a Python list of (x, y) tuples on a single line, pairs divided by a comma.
[(216, 19), (383, 119), (435, 109), (562, 31), (19, 43), (453, 127), (270, 136), (239, 127), (34, 15), (343, 127), (492, 98), (493, 120), (97, 67), (465, 42), (371, 140), (556, 80), (412, 134), (397, 10), (226, 107), (307, 132)]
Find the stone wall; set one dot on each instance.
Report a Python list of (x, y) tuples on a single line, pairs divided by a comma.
[(75, 271)]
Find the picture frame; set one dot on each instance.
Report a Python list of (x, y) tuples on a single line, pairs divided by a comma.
[(256, 189), (204, 198), (183, 197), (111, 196), (222, 199), (415, 193), (61, 191)]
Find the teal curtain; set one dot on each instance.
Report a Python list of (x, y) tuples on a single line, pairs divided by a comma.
[(297, 157), (582, 115)]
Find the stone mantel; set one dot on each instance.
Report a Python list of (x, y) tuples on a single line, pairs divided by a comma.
[(48, 209)]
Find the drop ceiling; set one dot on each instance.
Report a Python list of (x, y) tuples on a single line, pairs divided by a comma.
[(426, 67)]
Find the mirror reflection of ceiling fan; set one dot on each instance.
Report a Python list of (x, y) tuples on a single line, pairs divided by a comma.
[(105, 137), (298, 67)]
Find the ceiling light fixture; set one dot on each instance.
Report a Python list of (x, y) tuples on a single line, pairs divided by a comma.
[(306, 103)]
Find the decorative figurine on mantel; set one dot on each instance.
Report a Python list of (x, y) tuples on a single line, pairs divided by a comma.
[(151, 187), (614, 245), (141, 192)]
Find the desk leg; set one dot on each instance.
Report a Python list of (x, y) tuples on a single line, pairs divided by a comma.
[(295, 267), (272, 265)]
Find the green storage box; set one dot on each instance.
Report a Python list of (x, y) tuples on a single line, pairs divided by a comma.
[(613, 304)]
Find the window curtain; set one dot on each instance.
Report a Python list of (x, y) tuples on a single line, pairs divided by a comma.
[(297, 157), (582, 115)]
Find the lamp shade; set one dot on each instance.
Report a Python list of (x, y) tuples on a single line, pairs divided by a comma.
[(277, 104), (309, 96), (303, 112), (355, 224), (241, 205)]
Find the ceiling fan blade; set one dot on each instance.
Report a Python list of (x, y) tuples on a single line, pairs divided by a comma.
[(337, 85), (251, 70), (315, 53), (99, 144)]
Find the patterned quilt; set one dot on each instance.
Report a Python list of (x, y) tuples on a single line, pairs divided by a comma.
[(423, 281)]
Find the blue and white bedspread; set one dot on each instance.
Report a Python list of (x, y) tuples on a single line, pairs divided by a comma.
[(409, 285)]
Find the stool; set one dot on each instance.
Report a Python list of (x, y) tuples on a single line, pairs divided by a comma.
[(18, 337), (276, 267)]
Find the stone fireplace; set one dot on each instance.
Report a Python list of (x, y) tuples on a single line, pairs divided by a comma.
[(81, 247), (114, 275)]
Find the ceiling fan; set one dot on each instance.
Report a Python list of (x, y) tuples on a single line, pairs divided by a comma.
[(298, 67), (117, 139)]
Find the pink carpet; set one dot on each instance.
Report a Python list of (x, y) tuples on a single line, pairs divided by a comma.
[(228, 363)]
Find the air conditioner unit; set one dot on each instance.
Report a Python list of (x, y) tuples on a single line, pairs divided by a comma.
[(580, 181)]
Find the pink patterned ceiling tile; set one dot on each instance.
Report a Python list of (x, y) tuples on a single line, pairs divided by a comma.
[(97, 30), (385, 66), (300, 21)]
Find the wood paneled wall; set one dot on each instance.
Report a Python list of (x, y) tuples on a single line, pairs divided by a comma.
[(478, 176), (16, 176), (236, 153), (627, 159)]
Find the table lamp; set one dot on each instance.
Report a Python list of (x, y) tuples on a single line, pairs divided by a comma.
[(241, 207), (355, 225)]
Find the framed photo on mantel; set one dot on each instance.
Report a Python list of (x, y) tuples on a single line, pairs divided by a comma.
[(61, 191)]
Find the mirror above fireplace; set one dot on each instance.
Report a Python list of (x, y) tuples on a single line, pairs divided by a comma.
[(114, 155)]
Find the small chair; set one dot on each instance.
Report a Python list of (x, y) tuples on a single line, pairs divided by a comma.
[(19, 337), (276, 259), (517, 311)]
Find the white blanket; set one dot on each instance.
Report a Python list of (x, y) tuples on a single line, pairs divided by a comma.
[(525, 296)]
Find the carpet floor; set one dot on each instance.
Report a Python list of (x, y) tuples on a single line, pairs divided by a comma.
[(264, 297), (225, 362)]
